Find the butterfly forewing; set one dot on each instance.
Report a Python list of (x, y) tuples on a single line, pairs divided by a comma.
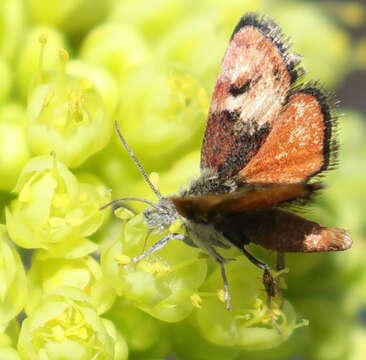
[(254, 80), (247, 199)]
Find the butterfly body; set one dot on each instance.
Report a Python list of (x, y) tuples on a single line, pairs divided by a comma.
[(199, 225)]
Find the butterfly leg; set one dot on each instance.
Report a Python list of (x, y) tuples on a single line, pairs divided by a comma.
[(280, 261), (268, 282), (226, 285), (158, 245), (257, 263), (280, 265), (221, 262)]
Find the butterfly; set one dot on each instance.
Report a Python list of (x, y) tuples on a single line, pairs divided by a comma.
[(267, 137)]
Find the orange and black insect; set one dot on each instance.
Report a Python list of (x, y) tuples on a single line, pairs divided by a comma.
[(267, 137)]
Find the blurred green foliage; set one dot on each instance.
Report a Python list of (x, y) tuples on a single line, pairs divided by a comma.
[(151, 65)]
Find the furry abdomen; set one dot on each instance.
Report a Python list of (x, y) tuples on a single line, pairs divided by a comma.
[(280, 230)]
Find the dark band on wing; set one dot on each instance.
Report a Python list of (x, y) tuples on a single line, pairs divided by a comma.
[(235, 148), (271, 30), (235, 91), (231, 116), (246, 146)]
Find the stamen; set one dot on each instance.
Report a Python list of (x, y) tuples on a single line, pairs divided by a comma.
[(196, 300)]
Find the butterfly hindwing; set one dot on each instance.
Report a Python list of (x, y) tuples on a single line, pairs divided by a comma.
[(300, 144)]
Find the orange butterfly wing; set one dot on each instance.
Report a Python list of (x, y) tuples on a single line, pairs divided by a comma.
[(258, 126)]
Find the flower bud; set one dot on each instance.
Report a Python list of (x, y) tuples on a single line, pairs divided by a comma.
[(83, 273), (205, 49), (120, 345), (12, 24), (140, 330), (7, 344), (13, 144), (6, 80), (117, 47), (9, 353), (13, 282), (72, 16), (153, 18)]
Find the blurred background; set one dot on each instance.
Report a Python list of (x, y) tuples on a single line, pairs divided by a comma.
[(154, 63)]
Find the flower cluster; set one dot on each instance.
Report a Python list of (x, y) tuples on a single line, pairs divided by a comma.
[(68, 288)]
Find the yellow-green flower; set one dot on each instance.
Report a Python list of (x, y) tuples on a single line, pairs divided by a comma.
[(65, 326), (83, 273), (249, 326), (161, 284), (66, 115), (54, 211), (101, 78)]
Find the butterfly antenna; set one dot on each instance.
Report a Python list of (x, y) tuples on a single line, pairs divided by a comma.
[(142, 171), (116, 201)]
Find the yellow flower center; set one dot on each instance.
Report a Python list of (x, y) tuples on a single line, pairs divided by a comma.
[(196, 300), (68, 325)]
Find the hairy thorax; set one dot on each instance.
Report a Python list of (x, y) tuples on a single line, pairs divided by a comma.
[(210, 182)]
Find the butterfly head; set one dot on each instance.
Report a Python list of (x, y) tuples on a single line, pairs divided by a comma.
[(162, 215)]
